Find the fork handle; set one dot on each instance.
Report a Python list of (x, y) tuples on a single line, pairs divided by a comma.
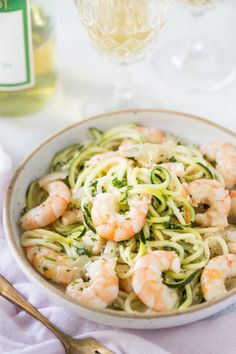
[(11, 294)]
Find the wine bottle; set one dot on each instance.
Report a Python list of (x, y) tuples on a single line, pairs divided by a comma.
[(27, 55)]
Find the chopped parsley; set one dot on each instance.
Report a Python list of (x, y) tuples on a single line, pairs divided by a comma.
[(151, 238), (83, 251), (170, 226), (142, 237), (172, 159), (93, 187), (117, 183), (181, 208), (86, 209)]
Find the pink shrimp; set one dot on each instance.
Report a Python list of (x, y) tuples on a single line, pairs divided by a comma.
[(101, 290), (126, 143), (151, 135), (47, 212), (147, 280), (210, 192), (177, 168), (229, 235), (53, 265), (225, 157), (101, 157), (72, 216), (214, 275), (111, 225)]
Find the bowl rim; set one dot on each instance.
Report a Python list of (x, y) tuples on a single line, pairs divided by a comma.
[(50, 287)]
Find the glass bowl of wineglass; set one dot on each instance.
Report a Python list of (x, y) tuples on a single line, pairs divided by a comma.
[(200, 57), (123, 31)]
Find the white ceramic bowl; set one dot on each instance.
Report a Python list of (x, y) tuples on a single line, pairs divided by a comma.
[(183, 125)]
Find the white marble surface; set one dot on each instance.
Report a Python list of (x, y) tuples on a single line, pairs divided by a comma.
[(82, 74)]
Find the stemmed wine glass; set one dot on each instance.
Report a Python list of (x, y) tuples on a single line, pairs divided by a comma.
[(123, 31), (200, 59)]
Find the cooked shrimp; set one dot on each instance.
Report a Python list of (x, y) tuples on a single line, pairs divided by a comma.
[(93, 242), (147, 280), (229, 236), (177, 168), (126, 143), (232, 214), (210, 192), (226, 165), (225, 157), (72, 216), (47, 212), (214, 275), (54, 176), (101, 157), (210, 150), (151, 135), (53, 265), (111, 225), (103, 287)]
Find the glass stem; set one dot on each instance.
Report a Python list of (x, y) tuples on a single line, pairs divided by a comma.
[(122, 92)]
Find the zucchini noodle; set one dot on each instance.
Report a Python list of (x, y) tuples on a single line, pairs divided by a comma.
[(122, 162)]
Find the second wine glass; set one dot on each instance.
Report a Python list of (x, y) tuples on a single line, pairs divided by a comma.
[(124, 31), (200, 58)]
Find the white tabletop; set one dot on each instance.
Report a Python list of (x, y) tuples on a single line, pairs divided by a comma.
[(83, 73)]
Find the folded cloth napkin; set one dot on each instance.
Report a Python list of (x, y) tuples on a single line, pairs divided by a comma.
[(22, 334), (5, 170)]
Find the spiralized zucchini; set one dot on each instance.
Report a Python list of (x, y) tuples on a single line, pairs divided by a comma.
[(170, 222)]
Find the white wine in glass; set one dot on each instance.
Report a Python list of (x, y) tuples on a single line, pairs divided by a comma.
[(123, 31)]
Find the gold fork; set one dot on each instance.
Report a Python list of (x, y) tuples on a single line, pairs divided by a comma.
[(72, 346)]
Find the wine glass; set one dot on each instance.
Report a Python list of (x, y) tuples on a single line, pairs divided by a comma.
[(200, 59), (123, 31)]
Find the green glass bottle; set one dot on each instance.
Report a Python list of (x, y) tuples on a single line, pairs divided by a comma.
[(27, 55)]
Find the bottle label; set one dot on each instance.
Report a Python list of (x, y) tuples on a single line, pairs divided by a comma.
[(16, 47)]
